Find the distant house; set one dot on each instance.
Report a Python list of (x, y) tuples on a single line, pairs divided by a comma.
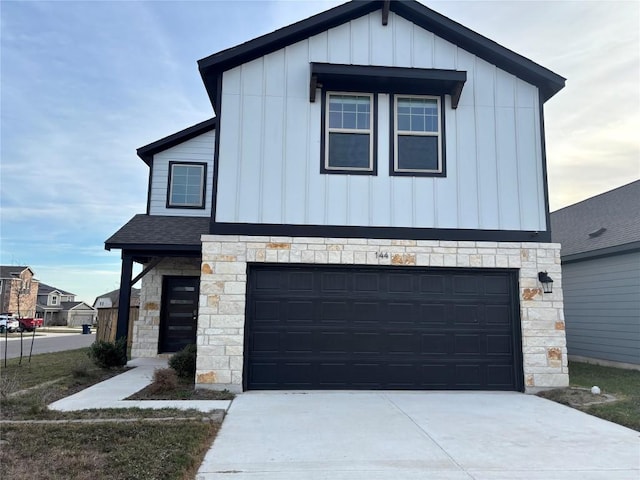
[(59, 307), (600, 258), (18, 291), (107, 307)]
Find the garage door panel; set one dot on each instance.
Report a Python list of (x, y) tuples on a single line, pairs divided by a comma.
[(494, 285), (499, 376), (401, 313), (401, 283), (334, 312), (266, 311), (334, 282), (498, 315), (300, 312), (366, 283), (402, 343), (469, 376), (436, 344), (377, 328), (468, 345), (297, 343), (499, 345), (365, 313), (366, 343), (300, 281), (466, 314), (432, 284), (265, 342), (334, 343)]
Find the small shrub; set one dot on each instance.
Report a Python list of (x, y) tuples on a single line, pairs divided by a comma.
[(81, 370), (184, 362), (109, 354), (164, 380)]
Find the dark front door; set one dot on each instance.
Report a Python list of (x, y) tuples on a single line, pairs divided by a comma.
[(325, 327), (179, 315)]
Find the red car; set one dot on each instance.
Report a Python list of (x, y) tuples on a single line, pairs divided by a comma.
[(29, 324)]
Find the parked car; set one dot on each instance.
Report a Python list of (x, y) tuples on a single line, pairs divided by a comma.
[(8, 323), (29, 324)]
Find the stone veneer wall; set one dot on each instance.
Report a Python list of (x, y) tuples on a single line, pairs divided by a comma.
[(146, 330), (224, 276)]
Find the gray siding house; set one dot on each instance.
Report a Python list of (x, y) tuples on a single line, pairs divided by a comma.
[(367, 210), (600, 254)]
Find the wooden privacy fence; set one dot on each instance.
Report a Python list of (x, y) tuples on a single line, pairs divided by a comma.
[(107, 322)]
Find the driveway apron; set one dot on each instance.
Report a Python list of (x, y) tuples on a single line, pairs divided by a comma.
[(416, 435)]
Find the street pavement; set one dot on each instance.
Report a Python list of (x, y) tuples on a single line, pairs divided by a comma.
[(43, 343)]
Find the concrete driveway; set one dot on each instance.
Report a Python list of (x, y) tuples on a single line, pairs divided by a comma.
[(421, 435)]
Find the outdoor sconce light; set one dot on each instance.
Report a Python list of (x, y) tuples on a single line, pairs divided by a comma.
[(546, 281)]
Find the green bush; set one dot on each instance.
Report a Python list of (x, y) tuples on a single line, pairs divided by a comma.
[(184, 362), (109, 354)]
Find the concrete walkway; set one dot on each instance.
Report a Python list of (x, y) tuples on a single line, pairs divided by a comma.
[(416, 435), (112, 392)]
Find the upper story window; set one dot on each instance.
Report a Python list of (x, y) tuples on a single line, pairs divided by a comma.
[(54, 300), (186, 185), (417, 136), (349, 133)]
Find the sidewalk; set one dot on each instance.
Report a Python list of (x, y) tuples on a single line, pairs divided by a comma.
[(112, 392)]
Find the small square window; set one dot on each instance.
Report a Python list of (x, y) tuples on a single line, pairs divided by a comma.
[(348, 133), (417, 136), (186, 185)]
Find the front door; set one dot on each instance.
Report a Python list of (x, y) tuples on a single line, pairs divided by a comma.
[(179, 315)]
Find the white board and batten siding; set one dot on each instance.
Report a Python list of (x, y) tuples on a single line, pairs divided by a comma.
[(199, 149), (269, 163)]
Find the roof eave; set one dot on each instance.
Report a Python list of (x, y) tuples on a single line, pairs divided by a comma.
[(147, 152), (211, 67)]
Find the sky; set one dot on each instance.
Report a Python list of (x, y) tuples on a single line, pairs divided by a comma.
[(83, 84)]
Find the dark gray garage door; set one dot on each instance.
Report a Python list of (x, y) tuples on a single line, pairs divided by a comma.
[(324, 327)]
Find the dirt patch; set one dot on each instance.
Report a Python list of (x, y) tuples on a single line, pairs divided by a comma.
[(185, 391), (576, 397)]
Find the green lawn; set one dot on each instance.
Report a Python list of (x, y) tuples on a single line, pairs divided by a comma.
[(139, 449), (624, 384)]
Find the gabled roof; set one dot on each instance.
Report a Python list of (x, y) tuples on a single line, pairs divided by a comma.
[(44, 289), (114, 296), (155, 232), (12, 271), (212, 66), (147, 152), (74, 305), (600, 225)]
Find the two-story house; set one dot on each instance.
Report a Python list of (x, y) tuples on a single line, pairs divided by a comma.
[(18, 291), (59, 307), (367, 210)]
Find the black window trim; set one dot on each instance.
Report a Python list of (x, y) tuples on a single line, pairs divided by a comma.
[(323, 133), (393, 172), (203, 197)]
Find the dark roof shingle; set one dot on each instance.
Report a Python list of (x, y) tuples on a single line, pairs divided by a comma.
[(157, 232), (611, 219)]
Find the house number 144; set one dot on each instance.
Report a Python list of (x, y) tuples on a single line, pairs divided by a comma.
[(382, 255)]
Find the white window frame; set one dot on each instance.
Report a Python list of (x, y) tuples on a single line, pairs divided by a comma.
[(355, 131), (54, 300), (397, 132), (203, 170)]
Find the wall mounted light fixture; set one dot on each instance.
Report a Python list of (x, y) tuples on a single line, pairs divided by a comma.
[(546, 281)]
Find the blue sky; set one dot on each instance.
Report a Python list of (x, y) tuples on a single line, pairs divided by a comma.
[(86, 83)]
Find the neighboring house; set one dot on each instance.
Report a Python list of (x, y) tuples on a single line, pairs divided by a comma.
[(600, 240), (18, 291), (368, 210), (107, 306), (59, 307)]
